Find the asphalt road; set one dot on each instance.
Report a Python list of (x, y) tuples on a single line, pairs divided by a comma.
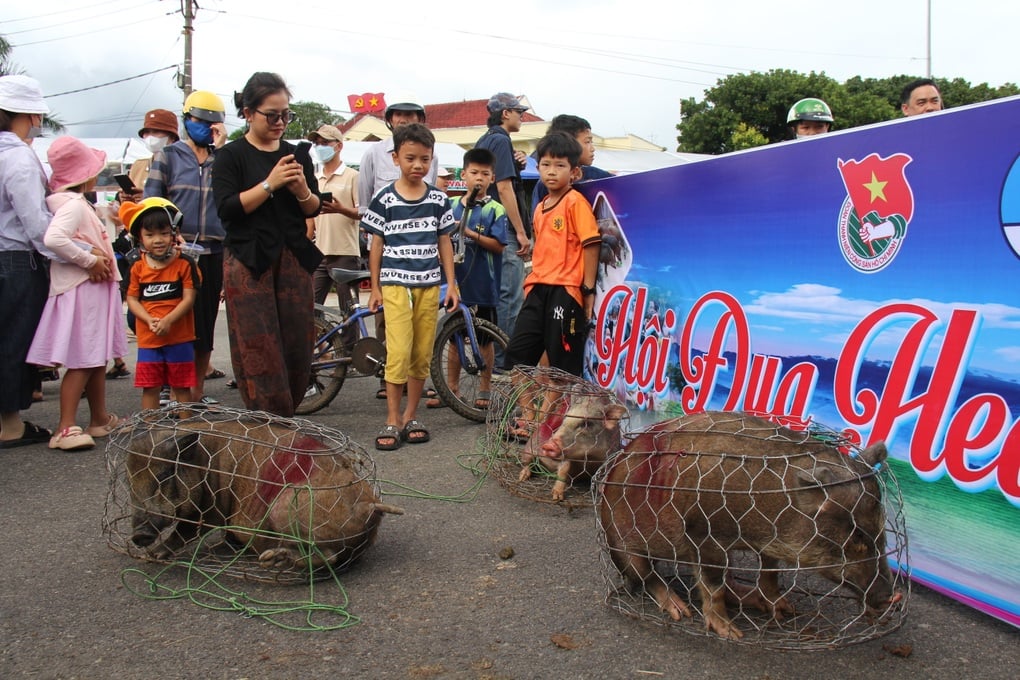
[(434, 597)]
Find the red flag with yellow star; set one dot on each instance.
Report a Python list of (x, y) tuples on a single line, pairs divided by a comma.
[(369, 102), (879, 185)]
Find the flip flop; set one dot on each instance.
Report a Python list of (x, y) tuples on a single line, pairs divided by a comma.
[(33, 434), (415, 433), (117, 371), (388, 439), (483, 400), (99, 431)]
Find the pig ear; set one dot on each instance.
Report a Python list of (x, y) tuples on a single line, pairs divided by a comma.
[(613, 414), (874, 454)]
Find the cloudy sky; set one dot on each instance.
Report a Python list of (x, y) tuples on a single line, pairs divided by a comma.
[(623, 65)]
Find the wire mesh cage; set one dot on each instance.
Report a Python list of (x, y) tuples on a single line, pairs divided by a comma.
[(548, 431), (728, 524), (245, 493)]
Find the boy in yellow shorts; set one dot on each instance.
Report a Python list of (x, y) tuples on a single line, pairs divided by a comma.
[(411, 223)]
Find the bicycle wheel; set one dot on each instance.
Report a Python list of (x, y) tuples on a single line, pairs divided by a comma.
[(458, 386), (326, 379)]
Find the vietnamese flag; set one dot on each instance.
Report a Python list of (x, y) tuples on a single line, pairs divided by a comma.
[(879, 185), (369, 102)]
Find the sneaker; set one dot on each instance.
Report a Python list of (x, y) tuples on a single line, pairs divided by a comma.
[(208, 401), (164, 396), (71, 439)]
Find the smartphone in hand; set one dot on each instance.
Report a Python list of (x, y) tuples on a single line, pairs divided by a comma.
[(125, 183), (302, 153), (326, 197)]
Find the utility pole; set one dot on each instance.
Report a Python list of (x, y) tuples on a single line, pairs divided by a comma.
[(929, 40), (187, 7)]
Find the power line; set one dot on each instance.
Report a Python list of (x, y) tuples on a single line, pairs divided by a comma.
[(112, 82), (89, 32), (119, 10)]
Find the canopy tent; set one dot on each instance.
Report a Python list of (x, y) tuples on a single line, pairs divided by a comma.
[(627, 161), (126, 150)]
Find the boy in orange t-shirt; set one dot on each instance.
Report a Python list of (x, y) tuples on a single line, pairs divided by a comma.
[(560, 290), (161, 295)]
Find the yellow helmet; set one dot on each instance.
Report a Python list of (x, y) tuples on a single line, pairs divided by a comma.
[(204, 105), (130, 212)]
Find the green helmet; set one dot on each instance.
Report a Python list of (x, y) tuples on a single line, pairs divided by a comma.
[(809, 109)]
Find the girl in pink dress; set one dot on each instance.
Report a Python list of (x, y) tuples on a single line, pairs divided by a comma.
[(81, 327)]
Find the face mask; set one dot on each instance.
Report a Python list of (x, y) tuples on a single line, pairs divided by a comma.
[(155, 143), (199, 131), (324, 153)]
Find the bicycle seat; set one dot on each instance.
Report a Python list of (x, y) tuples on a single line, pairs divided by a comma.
[(349, 275)]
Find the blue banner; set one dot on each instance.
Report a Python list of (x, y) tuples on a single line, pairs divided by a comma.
[(865, 280)]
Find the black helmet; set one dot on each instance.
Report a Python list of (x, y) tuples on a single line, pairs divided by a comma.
[(405, 106)]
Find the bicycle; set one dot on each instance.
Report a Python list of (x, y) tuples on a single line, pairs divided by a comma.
[(459, 342)]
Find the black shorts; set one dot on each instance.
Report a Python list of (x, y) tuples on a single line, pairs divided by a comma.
[(207, 302), (550, 321)]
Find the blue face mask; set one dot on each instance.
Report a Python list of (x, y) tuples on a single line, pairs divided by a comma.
[(324, 153), (199, 131)]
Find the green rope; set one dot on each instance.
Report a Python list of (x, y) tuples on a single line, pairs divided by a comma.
[(204, 589), (404, 491)]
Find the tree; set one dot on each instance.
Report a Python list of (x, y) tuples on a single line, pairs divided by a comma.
[(308, 116), (749, 109)]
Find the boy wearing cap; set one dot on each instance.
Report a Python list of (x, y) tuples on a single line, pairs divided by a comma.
[(161, 295), (505, 115), (335, 229), (182, 173)]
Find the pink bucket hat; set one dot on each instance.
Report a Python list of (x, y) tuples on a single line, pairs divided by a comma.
[(73, 163)]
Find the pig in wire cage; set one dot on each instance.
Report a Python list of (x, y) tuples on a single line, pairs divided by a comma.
[(246, 494), (727, 524), (548, 431)]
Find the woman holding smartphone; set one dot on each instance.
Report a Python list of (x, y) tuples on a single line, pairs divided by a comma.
[(263, 196)]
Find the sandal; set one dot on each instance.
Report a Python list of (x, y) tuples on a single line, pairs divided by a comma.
[(415, 433), (215, 374), (482, 400), (380, 393), (118, 370), (435, 402), (33, 434), (388, 439), (232, 384), (71, 439), (100, 431)]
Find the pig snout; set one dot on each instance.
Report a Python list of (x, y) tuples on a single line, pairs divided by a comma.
[(144, 534), (553, 447)]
